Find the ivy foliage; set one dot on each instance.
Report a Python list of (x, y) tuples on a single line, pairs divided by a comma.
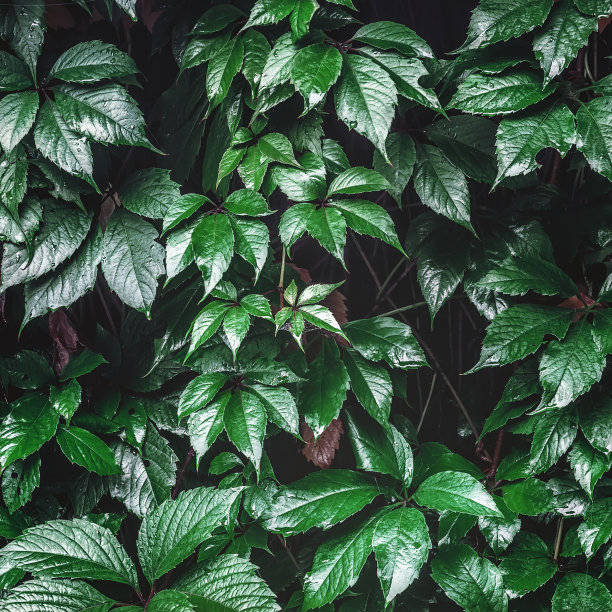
[(189, 192)]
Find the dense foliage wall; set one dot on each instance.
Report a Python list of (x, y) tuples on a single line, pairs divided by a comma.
[(305, 305)]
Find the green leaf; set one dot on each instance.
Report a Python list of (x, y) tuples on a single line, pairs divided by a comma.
[(62, 232), (597, 527), (390, 35), (322, 395), (565, 32), (256, 52), (598, 8), (517, 276), (385, 339), (441, 186), (227, 583), (321, 317), (278, 148), (182, 208), (129, 6), (338, 562), (553, 435), (580, 590), (594, 127), (320, 499), (150, 193), (64, 147), (83, 363), (300, 18), (519, 140), (65, 595), (235, 327), (499, 532), (471, 581), (530, 497), (205, 425), (171, 533), (29, 26), (17, 117), (365, 98), (499, 20), (588, 464), (229, 162), (132, 260), (252, 240), (65, 285), (314, 70), (91, 61), (200, 392), (13, 185), (14, 75), (170, 601), (458, 492), (206, 324), (87, 450), (402, 155), (379, 448), (503, 94), (277, 68), (328, 226), (280, 407), (31, 422), (216, 18), (74, 549), (519, 331), (222, 68), (267, 12), (19, 481), (307, 183), (357, 180), (213, 246), (569, 368), (401, 544), (371, 384), (595, 414), (257, 305)]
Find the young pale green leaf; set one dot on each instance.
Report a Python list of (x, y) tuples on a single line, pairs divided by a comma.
[(597, 527), (402, 155), (499, 20), (471, 581), (588, 464), (19, 481), (280, 407), (132, 260), (235, 327), (458, 492), (213, 246), (222, 68), (267, 12), (554, 433), (314, 70), (442, 186), (529, 497), (150, 193), (17, 116), (171, 533), (365, 98), (519, 331), (66, 595), (580, 590), (252, 239), (72, 549), (64, 147), (328, 226), (322, 395), (278, 148), (339, 561), (206, 324), (227, 583), (385, 339), (91, 61), (503, 94), (29, 26), (401, 544), (14, 75), (569, 368), (390, 35), (594, 127), (200, 392), (205, 425), (320, 499), (519, 140), (85, 449), (31, 422), (565, 32)]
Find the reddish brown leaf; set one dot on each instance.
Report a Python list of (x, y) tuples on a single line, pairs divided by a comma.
[(321, 451), (65, 339)]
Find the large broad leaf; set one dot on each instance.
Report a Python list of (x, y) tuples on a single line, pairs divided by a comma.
[(390, 35), (321, 499), (519, 140), (85, 449), (401, 544), (171, 533), (484, 94), (498, 20), (29, 25), (338, 562), (132, 259), (17, 116), (314, 70), (595, 415), (588, 464), (14, 74), (597, 527), (471, 581), (31, 422), (456, 491), (385, 339), (553, 435), (597, 8), (92, 61), (519, 331), (65, 595), (365, 98), (227, 583), (149, 192), (594, 126), (402, 155), (569, 368), (280, 407), (322, 396), (499, 532), (75, 549), (64, 147), (442, 186), (222, 68), (565, 32), (530, 497), (580, 591), (62, 232)]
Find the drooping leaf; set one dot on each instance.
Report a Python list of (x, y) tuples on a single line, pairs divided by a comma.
[(222, 68), (29, 25), (19, 481), (17, 116), (205, 425), (14, 74), (588, 464), (328, 227), (251, 241), (553, 435), (87, 450), (596, 529), (402, 155), (390, 35), (594, 128)]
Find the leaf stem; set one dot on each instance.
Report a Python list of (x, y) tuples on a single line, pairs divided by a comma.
[(403, 309)]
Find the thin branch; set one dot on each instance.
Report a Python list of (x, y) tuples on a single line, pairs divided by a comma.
[(190, 456), (290, 554), (427, 402), (558, 538), (367, 263)]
